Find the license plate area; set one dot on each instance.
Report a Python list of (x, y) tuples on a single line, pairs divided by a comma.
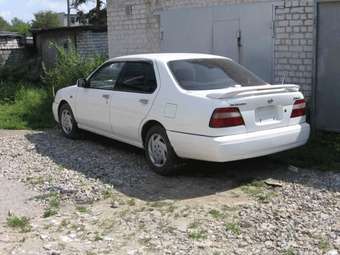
[(268, 115)]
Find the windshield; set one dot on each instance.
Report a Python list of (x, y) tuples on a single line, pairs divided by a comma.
[(209, 74)]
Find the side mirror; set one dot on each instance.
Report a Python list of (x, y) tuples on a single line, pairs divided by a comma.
[(82, 83)]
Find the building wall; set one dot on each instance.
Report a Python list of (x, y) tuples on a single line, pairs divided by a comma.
[(92, 43), (11, 51), (134, 27), (86, 42), (294, 40), (45, 43)]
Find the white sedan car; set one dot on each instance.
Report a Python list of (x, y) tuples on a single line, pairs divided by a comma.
[(191, 106)]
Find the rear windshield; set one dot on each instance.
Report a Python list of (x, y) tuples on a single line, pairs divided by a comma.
[(208, 74)]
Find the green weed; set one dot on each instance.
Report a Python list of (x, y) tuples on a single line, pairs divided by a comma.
[(16, 222)]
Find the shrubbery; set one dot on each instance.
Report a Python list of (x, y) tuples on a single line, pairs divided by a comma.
[(31, 108), (69, 68), (25, 105)]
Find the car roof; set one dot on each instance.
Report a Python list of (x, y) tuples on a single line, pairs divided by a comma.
[(166, 57)]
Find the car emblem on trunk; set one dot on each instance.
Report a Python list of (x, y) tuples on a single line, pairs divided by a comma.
[(270, 101)]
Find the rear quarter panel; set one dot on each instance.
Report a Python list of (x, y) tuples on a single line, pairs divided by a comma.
[(182, 111)]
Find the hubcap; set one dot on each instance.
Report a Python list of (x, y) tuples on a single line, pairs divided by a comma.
[(157, 150), (66, 121)]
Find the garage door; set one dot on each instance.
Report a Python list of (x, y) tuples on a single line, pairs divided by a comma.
[(328, 67), (242, 32)]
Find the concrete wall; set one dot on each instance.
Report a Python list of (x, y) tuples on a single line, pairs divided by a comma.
[(294, 40), (86, 42), (134, 27), (92, 43), (45, 45), (11, 51)]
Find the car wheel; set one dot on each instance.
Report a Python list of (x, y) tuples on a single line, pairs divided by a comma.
[(67, 122), (159, 153)]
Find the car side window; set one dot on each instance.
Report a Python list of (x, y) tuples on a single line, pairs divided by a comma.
[(105, 78), (137, 77)]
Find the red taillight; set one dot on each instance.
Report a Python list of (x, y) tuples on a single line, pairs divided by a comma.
[(299, 108), (226, 117)]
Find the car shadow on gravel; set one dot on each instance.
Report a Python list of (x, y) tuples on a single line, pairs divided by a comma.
[(125, 168)]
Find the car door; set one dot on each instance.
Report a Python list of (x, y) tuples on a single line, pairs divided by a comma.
[(132, 98), (93, 102)]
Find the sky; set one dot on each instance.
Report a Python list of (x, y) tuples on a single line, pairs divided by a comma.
[(24, 9)]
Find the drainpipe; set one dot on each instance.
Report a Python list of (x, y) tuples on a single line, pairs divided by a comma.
[(68, 13)]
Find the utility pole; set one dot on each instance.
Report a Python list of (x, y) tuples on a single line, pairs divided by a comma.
[(68, 13)]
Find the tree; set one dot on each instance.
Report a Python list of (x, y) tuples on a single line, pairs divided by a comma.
[(4, 25), (45, 20), (20, 26), (96, 16), (99, 4)]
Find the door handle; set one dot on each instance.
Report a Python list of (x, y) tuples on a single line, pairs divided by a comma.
[(143, 101), (106, 96)]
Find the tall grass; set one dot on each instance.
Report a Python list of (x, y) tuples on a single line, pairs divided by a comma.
[(29, 109), (29, 106), (321, 152)]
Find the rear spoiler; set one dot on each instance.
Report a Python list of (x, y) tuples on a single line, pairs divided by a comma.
[(254, 90)]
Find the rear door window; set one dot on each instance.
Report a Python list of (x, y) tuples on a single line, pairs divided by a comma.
[(137, 77)]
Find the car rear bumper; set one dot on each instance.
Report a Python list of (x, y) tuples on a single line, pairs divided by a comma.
[(241, 146)]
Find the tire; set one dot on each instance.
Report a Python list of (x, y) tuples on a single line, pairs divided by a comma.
[(67, 122), (159, 153)]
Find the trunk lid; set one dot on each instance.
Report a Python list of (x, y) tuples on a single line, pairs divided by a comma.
[(262, 107)]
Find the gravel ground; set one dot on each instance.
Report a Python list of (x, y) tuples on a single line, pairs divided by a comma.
[(105, 200)]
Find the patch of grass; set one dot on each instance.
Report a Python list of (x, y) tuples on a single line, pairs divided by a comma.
[(233, 227), (195, 231), (82, 209), (50, 212), (107, 193), (324, 245), (54, 202), (289, 251), (17, 222), (197, 234), (216, 214), (322, 152), (36, 180), (30, 109), (258, 190), (98, 237), (53, 206), (131, 202)]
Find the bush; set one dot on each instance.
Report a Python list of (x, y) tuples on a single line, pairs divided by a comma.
[(28, 70), (31, 109), (8, 90), (28, 106), (69, 68)]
